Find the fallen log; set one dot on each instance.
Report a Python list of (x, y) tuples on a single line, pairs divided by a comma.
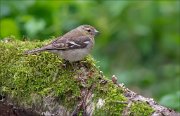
[(44, 84)]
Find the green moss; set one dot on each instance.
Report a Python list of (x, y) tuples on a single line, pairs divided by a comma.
[(140, 109), (28, 79), (23, 75), (113, 98)]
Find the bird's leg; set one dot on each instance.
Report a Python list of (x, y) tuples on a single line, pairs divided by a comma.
[(80, 64), (65, 63), (68, 65), (83, 63), (73, 65)]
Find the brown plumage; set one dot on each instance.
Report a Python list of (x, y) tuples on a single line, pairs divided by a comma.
[(73, 46)]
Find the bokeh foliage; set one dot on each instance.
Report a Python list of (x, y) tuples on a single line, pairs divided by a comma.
[(139, 40)]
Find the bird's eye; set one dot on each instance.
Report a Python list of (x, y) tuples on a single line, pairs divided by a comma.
[(88, 30)]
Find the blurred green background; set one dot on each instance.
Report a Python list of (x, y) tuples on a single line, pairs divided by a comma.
[(139, 40)]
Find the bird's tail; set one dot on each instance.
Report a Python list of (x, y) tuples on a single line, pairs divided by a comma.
[(34, 51)]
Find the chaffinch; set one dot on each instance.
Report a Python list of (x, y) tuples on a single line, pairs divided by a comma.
[(73, 46)]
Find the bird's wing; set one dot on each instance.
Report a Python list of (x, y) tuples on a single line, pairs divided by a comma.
[(71, 43)]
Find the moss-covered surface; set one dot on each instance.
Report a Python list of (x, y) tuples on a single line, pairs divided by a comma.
[(27, 79), (112, 97), (140, 109)]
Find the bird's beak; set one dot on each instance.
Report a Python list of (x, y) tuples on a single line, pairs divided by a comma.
[(96, 32)]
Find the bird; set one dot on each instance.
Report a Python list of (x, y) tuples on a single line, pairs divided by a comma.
[(73, 46)]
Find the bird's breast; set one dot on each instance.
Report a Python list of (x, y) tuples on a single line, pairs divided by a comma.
[(74, 55)]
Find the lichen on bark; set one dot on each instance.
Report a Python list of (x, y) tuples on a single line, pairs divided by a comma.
[(48, 84)]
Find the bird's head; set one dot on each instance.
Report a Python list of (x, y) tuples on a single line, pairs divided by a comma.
[(88, 30)]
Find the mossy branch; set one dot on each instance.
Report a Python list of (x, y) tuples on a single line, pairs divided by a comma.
[(48, 85)]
